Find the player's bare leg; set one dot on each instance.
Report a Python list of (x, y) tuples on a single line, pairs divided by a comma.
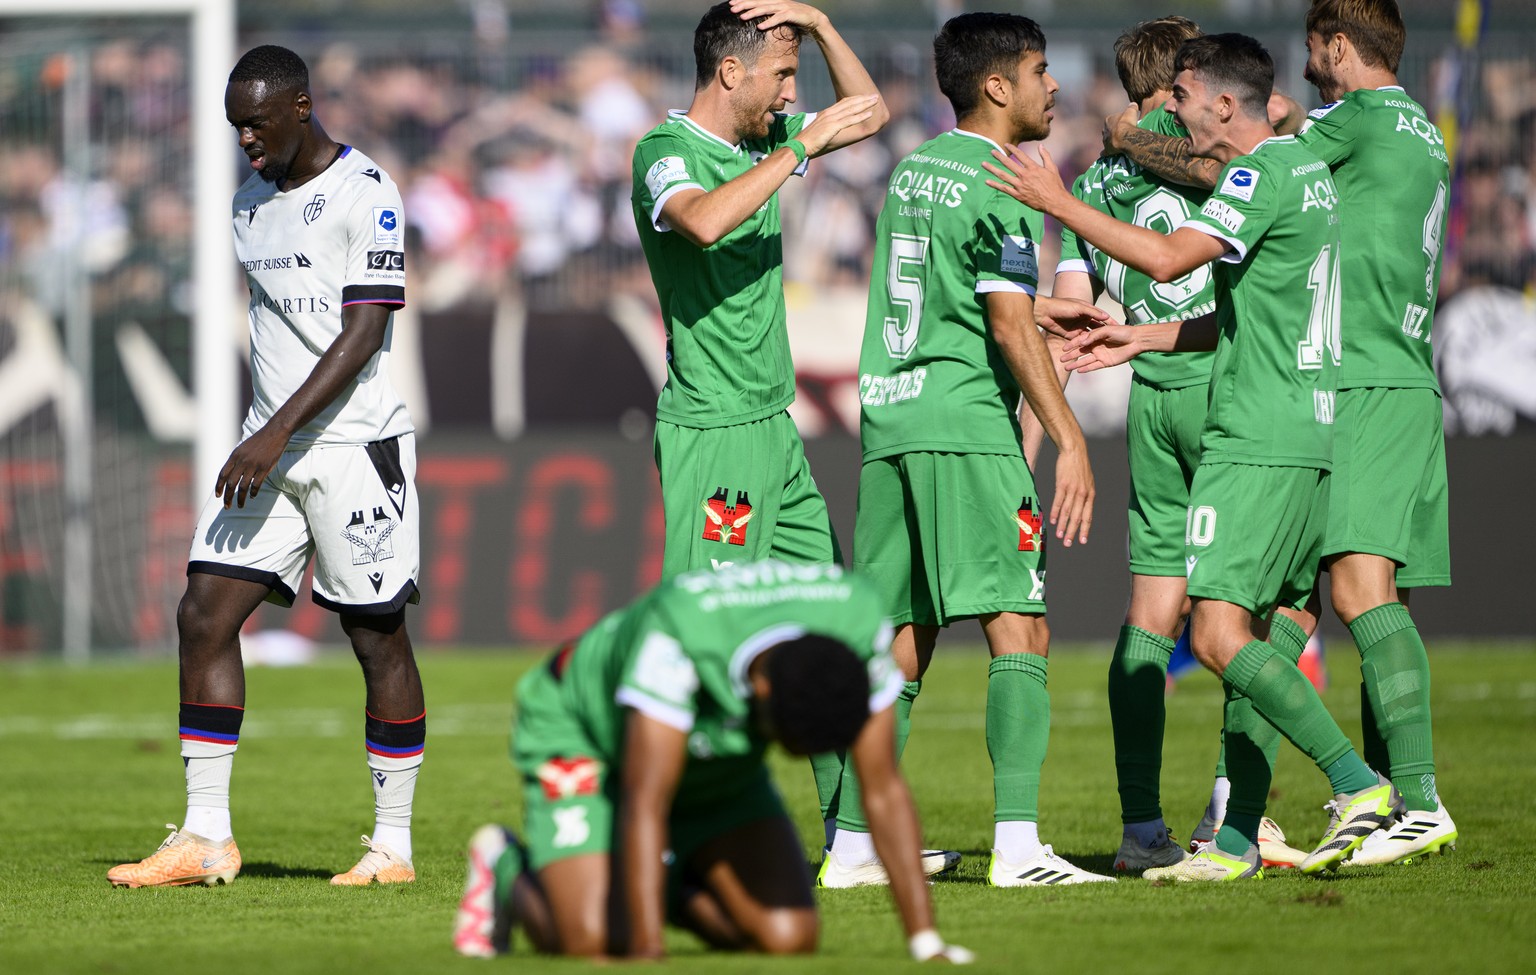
[(208, 625), (395, 729), (756, 891), (208, 622), (567, 908)]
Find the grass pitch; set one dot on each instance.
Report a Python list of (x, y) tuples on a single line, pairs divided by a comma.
[(90, 771)]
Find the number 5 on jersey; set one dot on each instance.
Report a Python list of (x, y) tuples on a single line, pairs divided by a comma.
[(904, 283)]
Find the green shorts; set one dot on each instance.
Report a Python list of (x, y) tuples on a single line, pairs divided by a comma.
[(739, 494), (951, 536), (1162, 436), (1389, 495), (571, 792), (1254, 535)]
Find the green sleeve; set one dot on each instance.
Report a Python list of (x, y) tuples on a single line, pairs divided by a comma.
[(660, 169), (1003, 247), (1075, 250), (1329, 131), (660, 680), (1241, 209)]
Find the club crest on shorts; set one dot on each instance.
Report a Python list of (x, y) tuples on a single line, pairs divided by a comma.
[(564, 778), (725, 522), (1029, 526), (370, 537)]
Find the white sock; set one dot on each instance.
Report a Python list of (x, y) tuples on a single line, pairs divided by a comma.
[(394, 791), (1151, 833), (1220, 790), (397, 838), (208, 768), (1016, 840), (209, 822), (852, 848)]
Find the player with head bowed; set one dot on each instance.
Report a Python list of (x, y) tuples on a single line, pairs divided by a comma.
[(1259, 500), (325, 467), (641, 750), (1388, 524), (950, 524)]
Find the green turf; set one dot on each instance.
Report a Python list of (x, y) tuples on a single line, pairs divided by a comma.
[(90, 771)]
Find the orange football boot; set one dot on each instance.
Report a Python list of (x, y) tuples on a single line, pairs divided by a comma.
[(184, 858), (380, 865)]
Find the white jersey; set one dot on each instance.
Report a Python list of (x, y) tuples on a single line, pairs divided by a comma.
[(336, 240)]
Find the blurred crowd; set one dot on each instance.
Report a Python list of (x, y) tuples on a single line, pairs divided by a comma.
[(513, 154)]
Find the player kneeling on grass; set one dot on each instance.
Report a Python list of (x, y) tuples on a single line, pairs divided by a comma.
[(641, 746)]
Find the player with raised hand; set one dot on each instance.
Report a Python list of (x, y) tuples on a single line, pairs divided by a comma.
[(706, 206), (646, 795), (1388, 528), (1259, 501), (735, 484), (324, 468), (950, 524)]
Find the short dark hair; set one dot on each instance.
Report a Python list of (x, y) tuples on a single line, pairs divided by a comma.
[(278, 67), (1144, 54), (1374, 27), (1235, 63), (971, 47), (722, 34), (818, 697)]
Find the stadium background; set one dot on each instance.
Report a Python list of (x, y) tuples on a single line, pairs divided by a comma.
[(530, 353)]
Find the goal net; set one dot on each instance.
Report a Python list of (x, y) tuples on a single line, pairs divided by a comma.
[(107, 412)]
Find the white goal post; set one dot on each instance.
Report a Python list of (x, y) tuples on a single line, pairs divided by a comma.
[(214, 372)]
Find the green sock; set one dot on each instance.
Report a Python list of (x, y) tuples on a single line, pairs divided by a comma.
[(828, 769), (1394, 669), (1283, 695), (1221, 756), (1138, 677), (1287, 636), (1251, 745), (1373, 747), (904, 702), (1018, 730), (850, 804), (507, 868)]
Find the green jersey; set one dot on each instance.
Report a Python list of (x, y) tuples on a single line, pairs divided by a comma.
[(723, 305), (930, 376), (1117, 186), (1390, 166), (1277, 307), (680, 656)]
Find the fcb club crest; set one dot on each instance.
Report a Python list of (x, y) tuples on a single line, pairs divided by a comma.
[(313, 208), (1029, 526), (725, 522), (370, 537)]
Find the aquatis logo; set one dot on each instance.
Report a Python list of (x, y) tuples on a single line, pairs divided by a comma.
[(313, 207), (726, 522), (1029, 526)]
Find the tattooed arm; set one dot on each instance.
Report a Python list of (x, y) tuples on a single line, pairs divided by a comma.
[(1164, 155)]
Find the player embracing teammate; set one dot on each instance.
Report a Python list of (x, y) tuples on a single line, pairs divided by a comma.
[(1387, 530)]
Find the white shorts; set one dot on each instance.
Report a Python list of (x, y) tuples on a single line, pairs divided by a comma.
[(353, 506)]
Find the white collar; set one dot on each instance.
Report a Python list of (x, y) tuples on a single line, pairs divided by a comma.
[(681, 114)]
